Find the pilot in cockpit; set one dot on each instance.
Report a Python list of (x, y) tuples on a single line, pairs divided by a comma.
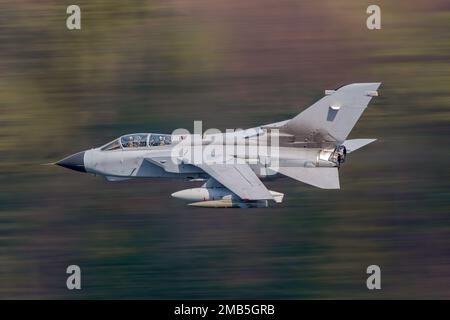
[(129, 143)]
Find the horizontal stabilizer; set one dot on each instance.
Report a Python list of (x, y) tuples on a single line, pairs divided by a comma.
[(324, 178), (277, 196), (355, 144)]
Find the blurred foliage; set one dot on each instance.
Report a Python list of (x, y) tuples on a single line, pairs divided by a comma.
[(153, 66)]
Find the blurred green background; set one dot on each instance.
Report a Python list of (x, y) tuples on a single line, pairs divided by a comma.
[(153, 66)]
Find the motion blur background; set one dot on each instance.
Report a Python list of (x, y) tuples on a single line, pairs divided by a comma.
[(153, 66)]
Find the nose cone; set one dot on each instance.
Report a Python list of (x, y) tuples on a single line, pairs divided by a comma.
[(74, 162)]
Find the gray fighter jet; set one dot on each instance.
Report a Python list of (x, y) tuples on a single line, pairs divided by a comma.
[(309, 148)]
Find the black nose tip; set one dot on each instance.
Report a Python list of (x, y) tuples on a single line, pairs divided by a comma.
[(74, 162)]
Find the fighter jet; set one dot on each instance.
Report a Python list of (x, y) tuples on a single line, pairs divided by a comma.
[(309, 148)]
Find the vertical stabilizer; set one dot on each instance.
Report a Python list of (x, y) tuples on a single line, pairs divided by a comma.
[(333, 117)]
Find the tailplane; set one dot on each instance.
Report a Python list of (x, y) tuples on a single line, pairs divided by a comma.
[(354, 144), (324, 178)]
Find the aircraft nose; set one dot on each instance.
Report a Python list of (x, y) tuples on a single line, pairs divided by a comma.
[(74, 162)]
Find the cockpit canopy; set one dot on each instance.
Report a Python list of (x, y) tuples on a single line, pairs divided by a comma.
[(134, 140), (139, 140)]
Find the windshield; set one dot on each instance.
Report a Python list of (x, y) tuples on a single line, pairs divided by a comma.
[(114, 145)]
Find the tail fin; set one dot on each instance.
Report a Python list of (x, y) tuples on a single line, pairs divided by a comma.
[(333, 117)]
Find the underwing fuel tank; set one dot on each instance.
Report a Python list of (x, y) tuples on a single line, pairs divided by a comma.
[(216, 194), (229, 203)]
